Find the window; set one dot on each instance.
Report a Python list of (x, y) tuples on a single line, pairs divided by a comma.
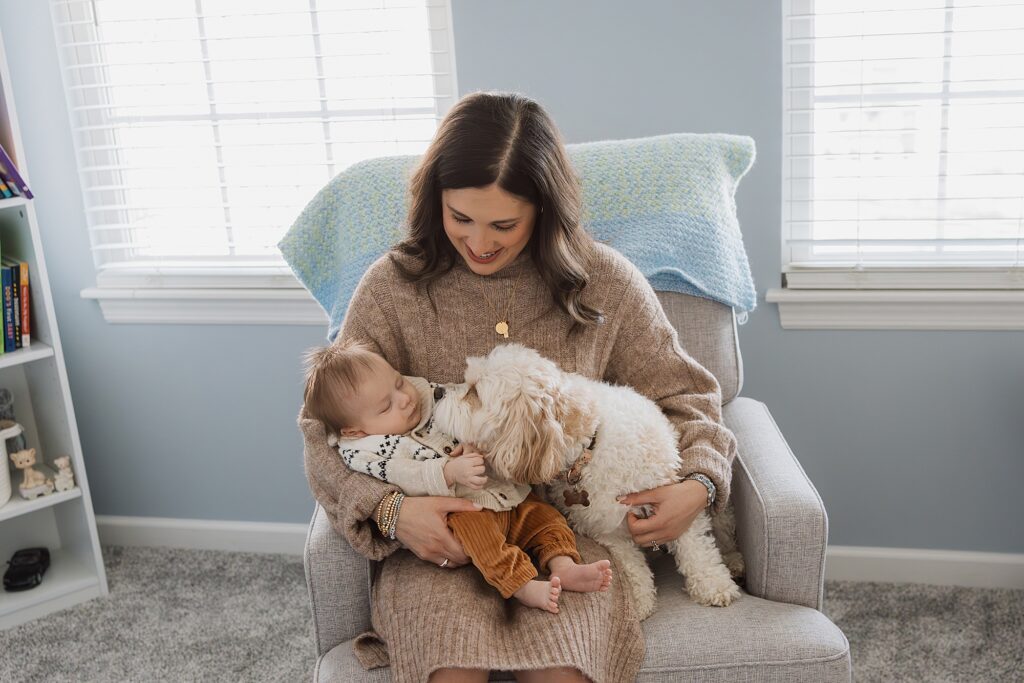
[(203, 127), (903, 146)]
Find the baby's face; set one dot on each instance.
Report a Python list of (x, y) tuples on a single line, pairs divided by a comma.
[(386, 403)]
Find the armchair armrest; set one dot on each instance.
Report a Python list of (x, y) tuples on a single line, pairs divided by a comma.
[(781, 524), (338, 580)]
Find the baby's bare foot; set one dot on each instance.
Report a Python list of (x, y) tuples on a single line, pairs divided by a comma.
[(582, 578), (541, 594)]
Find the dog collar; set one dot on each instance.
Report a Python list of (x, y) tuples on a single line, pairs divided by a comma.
[(573, 475)]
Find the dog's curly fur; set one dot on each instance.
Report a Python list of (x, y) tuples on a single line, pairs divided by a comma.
[(533, 420)]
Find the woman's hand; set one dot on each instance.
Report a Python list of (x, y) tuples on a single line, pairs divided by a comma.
[(423, 528), (675, 507)]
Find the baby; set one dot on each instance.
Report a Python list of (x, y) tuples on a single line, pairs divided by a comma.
[(382, 424)]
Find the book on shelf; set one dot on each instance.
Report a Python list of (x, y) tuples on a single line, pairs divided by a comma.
[(20, 300), (10, 175), (4, 189), (8, 294)]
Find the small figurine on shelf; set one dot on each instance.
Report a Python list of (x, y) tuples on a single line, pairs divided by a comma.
[(35, 483), (65, 479)]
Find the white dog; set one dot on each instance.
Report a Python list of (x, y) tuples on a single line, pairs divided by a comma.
[(538, 425)]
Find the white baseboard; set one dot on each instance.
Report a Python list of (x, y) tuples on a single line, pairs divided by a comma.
[(913, 565), (844, 563), (200, 534)]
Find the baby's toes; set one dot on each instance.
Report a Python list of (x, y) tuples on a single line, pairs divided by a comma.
[(556, 592)]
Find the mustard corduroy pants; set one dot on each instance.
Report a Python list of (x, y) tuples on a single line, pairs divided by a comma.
[(496, 541)]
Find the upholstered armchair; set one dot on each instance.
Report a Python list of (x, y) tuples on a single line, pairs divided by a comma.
[(774, 632)]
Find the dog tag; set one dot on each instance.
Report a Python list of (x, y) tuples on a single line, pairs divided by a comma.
[(502, 329), (577, 498)]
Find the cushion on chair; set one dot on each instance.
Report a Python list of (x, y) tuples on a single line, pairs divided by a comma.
[(751, 640)]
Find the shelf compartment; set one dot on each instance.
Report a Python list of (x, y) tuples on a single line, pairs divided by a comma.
[(19, 506), (69, 578)]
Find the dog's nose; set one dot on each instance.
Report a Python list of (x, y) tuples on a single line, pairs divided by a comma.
[(438, 393)]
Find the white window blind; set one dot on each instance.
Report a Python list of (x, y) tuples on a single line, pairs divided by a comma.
[(903, 134), (202, 127)]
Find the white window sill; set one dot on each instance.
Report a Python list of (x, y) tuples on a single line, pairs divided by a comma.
[(832, 309), (901, 299), (269, 296)]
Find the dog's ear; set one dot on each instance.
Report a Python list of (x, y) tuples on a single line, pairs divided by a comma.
[(531, 445), (570, 412)]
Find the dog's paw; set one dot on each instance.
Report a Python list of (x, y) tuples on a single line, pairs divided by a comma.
[(734, 561), (713, 591), (645, 605)]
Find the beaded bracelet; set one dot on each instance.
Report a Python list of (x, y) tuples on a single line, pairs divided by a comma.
[(383, 507), (394, 518)]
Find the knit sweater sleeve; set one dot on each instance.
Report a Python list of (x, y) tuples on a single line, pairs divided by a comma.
[(350, 498), (646, 355), (399, 460)]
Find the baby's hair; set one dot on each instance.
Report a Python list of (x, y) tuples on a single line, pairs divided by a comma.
[(333, 374)]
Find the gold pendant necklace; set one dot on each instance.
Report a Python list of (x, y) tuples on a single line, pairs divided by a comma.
[(501, 327)]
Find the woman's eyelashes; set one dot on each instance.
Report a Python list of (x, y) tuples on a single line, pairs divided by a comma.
[(502, 228)]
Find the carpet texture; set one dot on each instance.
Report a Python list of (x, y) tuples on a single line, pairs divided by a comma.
[(201, 615)]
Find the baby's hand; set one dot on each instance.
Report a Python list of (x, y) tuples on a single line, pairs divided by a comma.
[(467, 470)]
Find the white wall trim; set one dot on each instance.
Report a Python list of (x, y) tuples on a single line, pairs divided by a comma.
[(915, 565), (845, 563), (806, 309), (200, 534)]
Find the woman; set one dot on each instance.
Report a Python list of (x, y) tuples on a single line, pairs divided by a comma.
[(495, 251)]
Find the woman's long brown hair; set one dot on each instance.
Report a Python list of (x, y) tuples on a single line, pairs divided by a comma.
[(508, 139)]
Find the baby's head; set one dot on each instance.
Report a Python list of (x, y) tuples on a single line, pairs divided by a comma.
[(355, 392)]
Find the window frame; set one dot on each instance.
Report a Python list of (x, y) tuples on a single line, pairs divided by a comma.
[(211, 291), (876, 297)]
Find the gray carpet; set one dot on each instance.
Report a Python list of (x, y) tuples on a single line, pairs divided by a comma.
[(185, 615)]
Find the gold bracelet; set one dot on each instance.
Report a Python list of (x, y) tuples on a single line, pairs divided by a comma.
[(390, 513), (382, 507)]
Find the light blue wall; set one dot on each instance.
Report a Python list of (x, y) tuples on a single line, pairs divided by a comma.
[(912, 438)]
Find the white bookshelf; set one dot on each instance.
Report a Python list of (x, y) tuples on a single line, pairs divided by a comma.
[(62, 521)]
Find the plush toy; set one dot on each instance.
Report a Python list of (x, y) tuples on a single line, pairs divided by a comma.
[(65, 479), (34, 483)]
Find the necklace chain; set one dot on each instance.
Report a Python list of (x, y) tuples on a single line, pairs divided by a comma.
[(501, 327)]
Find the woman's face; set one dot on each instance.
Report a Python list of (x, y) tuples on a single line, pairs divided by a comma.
[(487, 225)]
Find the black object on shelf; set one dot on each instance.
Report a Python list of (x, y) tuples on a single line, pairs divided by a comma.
[(26, 569)]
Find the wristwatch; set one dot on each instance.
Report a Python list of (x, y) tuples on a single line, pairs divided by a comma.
[(707, 483)]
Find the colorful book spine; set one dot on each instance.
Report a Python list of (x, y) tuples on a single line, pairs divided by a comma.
[(8, 286), (26, 328), (4, 190), (11, 172), (16, 305), (19, 284)]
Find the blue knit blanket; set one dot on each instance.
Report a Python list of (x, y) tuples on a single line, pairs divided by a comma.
[(667, 203)]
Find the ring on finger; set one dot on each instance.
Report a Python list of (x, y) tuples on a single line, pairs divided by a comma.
[(444, 564), (655, 547)]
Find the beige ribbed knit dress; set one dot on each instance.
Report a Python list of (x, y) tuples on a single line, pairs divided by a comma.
[(425, 617)]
